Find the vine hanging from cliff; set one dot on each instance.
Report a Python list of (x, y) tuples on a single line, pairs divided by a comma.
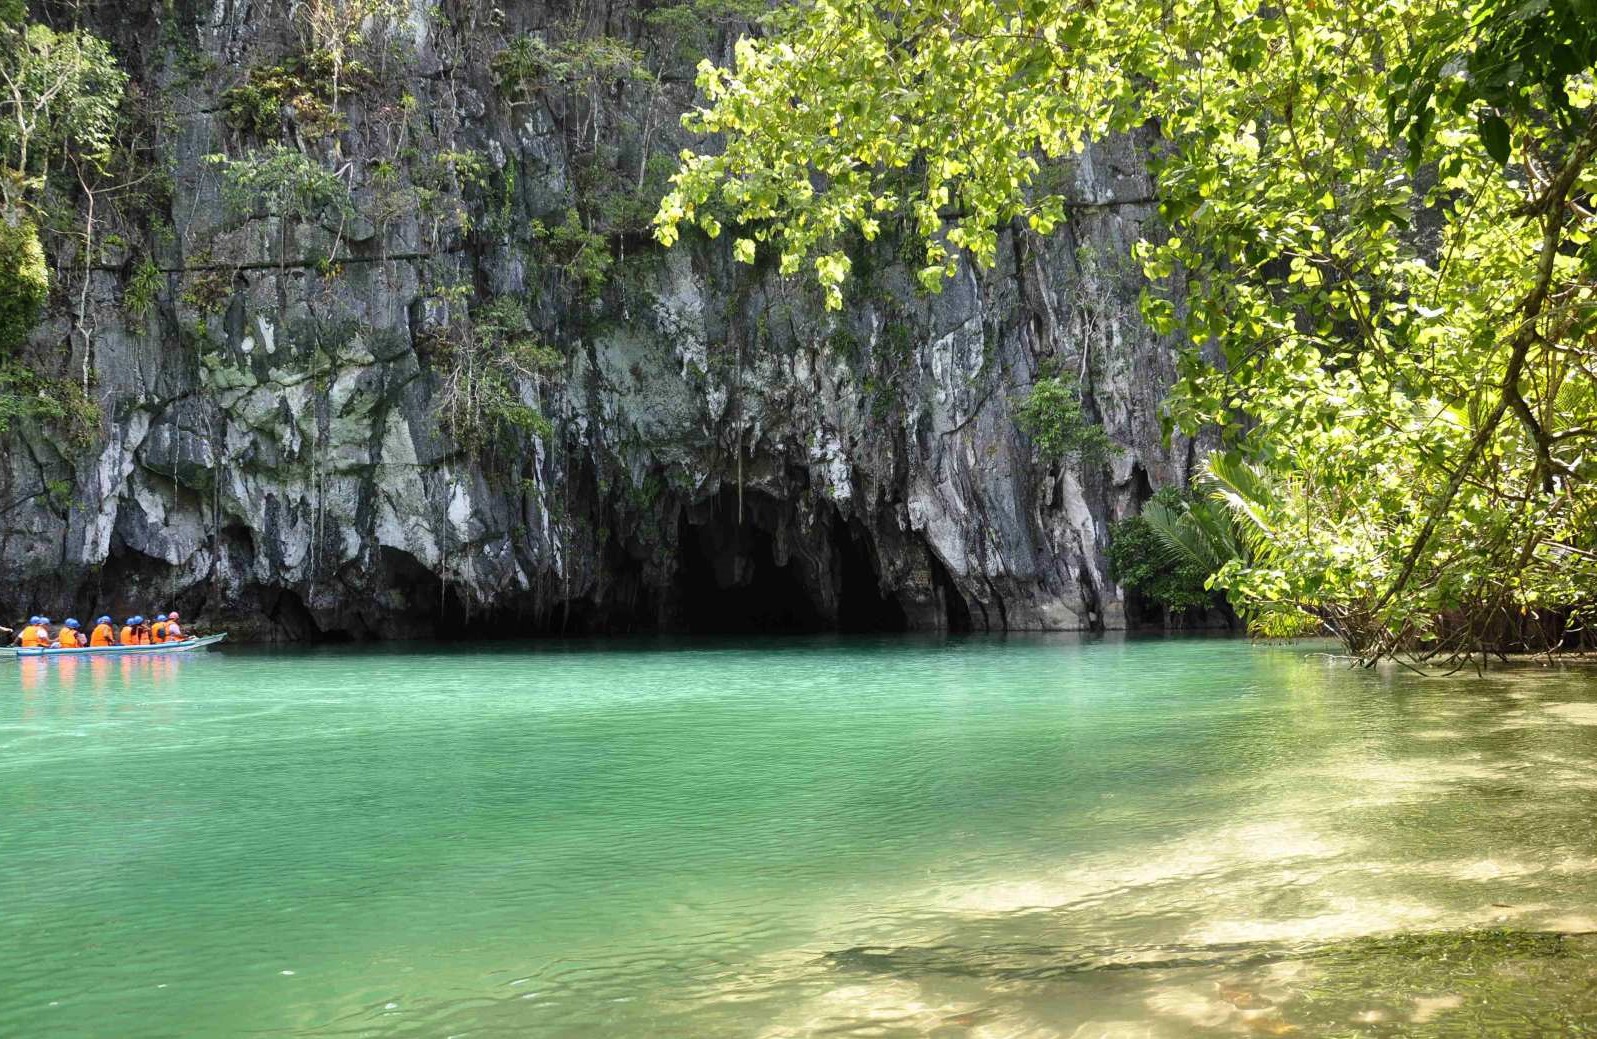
[(490, 366)]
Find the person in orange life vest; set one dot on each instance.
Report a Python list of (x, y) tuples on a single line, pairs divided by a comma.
[(104, 634), (69, 637), (174, 633), (158, 629), (130, 631), (33, 636)]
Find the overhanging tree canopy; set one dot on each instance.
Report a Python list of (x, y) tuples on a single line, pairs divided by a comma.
[(1378, 212)]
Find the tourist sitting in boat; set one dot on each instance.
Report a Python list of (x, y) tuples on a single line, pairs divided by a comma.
[(137, 632), (69, 637), (34, 635)]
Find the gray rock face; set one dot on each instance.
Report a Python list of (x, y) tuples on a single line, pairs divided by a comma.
[(281, 452)]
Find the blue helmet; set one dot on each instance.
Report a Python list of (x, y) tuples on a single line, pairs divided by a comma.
[(44, 620), (71, 622), (135, 619), (36, 619), (103, 620)]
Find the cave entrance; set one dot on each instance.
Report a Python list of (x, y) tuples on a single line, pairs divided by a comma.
[(861, 604), (739, 578)]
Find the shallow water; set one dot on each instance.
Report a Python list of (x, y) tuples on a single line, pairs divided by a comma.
[(1043, 836)]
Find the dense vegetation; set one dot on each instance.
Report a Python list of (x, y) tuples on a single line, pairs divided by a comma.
[(1378, 218), (60, 95), (1165, 556)]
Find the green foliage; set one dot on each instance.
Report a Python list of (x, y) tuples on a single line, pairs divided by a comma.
[(608, 93), (1052, 416), (687, 31), (338, 31), (503, 322), (1529, 61), (1141, 560), (28, 397), (1180, 546), (583, 256), (24, 281), (207, 289), (1193, 532), (143, 288), (59, 98), (616, 203), (60, 94), (298, 88), (60, 493), (1407, 326), (444, 184), (489, 369), (530, 64), (283, 181)]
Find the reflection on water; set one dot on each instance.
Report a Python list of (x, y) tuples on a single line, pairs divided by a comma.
[(1041, 836)]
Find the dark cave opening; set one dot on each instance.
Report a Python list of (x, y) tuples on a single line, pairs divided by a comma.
[(957, 619), (729, 580), (734, 578), (861, 605)]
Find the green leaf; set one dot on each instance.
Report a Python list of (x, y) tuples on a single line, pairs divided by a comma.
[(1494, 135)]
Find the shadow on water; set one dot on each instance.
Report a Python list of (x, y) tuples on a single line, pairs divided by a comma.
[(792, 640), (1012, 962), (1472, 982)]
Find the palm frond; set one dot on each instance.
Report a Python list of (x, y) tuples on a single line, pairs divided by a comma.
[(1181, 541), (1247, 495), (1240, 486)]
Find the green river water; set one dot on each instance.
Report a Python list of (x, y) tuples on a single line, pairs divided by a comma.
[(1038, 836)]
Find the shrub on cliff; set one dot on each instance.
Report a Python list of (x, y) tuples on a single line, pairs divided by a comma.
[(24, 281), (60, 94), (1053, 416)]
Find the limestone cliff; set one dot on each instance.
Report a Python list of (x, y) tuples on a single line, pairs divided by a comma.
[(287, 375)]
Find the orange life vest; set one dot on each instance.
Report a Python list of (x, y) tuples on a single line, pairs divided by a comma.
[(158, 631), (129, 637), (34, 636), (103, 636), (144, 634), (173, 632)]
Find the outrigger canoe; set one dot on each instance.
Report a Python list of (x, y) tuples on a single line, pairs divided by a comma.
[(187, 645)]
